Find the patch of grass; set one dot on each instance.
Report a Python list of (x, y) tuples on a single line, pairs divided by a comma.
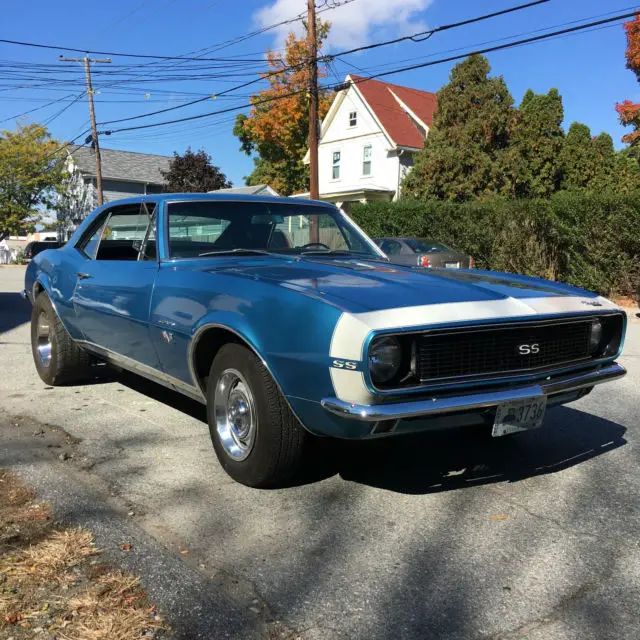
[(53, 584)]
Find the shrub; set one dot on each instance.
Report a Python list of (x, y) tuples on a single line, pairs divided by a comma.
[(590, 240)]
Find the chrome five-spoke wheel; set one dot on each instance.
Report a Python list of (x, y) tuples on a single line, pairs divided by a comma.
[(235, 414), (43, 335)]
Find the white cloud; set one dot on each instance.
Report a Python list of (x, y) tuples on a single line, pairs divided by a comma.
[(352, 24)]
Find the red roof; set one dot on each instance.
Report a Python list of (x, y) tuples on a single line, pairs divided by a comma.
[(392, 116)]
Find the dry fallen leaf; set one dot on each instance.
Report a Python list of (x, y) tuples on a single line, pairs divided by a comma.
[(499, 516), (184, 551), (125, 546)]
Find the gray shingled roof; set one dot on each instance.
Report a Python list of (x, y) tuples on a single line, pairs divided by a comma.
[(122, 165), (255, 190)]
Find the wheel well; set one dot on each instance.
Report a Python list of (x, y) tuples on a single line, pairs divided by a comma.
[(37, 289), (206, 349)]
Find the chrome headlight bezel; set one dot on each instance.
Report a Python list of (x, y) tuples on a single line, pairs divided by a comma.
[(384, 358)]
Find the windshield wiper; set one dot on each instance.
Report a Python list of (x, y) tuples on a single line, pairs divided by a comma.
[(222, 252), (331, 252)]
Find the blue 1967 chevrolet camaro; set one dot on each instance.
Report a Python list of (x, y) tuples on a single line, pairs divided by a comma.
[(288, 322)]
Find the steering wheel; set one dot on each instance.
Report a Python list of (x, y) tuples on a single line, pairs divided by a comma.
[(315, 244)]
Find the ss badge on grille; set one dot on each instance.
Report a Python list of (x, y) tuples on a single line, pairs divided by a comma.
[(526, 349)]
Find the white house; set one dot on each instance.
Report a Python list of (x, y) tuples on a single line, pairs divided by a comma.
[(368, 140)]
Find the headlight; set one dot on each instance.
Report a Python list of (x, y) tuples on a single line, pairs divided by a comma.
[(596, 337), (385, 356)]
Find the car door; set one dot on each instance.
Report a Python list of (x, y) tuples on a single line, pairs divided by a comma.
[(115, 282)]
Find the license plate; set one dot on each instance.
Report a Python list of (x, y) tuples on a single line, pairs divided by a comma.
[(452, 265), (519, 415)]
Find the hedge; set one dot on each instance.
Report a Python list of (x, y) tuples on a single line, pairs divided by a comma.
[(590, 240)]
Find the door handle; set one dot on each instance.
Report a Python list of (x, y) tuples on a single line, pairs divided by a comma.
[(83, 276)]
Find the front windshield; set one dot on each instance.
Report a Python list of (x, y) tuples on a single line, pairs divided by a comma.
[(217, 227)]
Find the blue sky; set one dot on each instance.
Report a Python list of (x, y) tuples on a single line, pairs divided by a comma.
[(587, 68)]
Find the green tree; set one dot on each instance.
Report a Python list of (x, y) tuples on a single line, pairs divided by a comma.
[(578, 159), (30, 172), (193, 172), (605, 176), (537, 142), (465, 153), (627, 170)]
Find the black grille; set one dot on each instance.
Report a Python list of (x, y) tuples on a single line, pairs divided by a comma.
[(492, 350)]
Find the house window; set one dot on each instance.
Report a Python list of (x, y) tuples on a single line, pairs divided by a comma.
[(366, 161), (336, 165), (353, 118)]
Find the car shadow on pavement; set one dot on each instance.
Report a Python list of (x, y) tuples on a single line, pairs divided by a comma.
[(14, 311), (460, 458), (433, 461), (154, 391)]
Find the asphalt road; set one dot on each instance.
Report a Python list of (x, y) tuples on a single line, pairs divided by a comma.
[(450, 535)]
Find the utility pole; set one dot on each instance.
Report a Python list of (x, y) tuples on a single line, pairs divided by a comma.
[(313, 99), (314, 192), (94, 131)]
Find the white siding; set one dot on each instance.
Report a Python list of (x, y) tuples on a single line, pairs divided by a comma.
[(350, 142)]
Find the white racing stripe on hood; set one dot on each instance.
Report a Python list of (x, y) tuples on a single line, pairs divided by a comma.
[(352, 329)]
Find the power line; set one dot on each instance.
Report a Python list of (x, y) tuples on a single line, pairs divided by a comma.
[(55, 116), (501, 47), (44, 106), (115, 53), (486, 42), (416, 37), (221, 45)]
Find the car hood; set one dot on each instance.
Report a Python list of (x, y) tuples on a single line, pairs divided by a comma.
[(359, 286)]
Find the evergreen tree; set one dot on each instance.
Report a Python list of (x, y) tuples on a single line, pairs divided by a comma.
[(537, 141), (464, 155), (627, 169), (578, 158), (605, 176)]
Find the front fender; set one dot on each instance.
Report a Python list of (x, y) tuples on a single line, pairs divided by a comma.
[(51, 272)]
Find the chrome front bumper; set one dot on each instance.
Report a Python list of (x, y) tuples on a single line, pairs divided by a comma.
[(440, 405)]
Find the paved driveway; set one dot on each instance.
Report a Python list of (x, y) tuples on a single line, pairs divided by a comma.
[(447, 536)]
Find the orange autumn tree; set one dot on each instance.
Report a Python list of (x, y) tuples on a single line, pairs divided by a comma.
[(628, 111), (276, 130)]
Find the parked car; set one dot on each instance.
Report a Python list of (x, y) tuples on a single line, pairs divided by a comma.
[(288, 323), (34, 248), (423, 253)]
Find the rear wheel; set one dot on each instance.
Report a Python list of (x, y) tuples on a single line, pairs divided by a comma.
[(57, 358), (257, 439)]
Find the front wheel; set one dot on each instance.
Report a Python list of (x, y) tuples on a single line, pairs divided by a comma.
[(57, 358), (257, 439)]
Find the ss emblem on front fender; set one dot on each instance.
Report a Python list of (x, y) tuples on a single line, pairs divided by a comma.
[(344, 364)]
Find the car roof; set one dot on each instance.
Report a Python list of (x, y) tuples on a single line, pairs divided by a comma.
[(213, 197)]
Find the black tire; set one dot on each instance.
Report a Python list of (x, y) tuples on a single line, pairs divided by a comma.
[(280, 440), (68, 363)]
